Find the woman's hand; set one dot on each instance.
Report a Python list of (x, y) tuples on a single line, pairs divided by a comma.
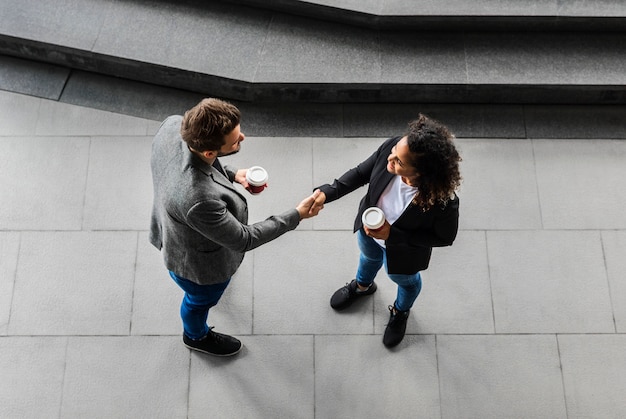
[(319, 202), (381, 233)]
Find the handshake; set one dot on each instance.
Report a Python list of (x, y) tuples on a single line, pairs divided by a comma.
[(255, 178), (312, 205)]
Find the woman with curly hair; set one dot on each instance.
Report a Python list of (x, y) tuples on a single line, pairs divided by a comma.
[(413, 180)]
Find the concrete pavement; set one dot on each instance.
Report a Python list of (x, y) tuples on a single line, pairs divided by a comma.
[(524, 316)]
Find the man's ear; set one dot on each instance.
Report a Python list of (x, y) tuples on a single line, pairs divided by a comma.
[(211, 154)]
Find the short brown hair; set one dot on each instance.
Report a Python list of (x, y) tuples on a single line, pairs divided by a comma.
[(205, 125)]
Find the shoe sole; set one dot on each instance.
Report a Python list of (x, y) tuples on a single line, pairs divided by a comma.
[(212, 353)]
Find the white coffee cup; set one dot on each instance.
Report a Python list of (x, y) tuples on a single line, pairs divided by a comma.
[(257, 179), (373, 218)]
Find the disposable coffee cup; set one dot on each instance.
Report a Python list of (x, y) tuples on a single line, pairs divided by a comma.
[(373, 218), (257, 179)]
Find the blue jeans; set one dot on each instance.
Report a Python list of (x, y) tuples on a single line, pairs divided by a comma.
[(371, 260), (197, 301)]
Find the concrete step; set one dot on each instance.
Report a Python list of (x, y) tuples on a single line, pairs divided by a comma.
[(279, 119), (460, 15), (254, 55)]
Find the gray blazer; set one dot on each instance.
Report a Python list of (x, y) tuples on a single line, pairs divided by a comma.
[(199, 220)]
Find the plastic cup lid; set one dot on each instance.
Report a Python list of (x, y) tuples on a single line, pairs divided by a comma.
[(257, 175), (373, 217)]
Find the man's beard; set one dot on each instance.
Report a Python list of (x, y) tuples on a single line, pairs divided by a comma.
[(220, 154)]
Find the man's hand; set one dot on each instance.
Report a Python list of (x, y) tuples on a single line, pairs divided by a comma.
[(240, 178), (319, 202), (308, 208)]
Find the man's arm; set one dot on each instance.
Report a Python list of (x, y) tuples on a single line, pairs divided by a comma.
[(213, 220)]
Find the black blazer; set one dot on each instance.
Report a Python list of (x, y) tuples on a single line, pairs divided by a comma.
[(416, 232)]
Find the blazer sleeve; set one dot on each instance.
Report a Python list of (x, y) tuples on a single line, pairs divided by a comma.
[(212, 219), (353, 178)]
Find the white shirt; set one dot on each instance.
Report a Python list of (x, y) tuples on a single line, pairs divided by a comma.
[(394, 200)]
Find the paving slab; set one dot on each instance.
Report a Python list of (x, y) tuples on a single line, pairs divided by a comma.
[(614, 245), (320, 262), (157, 299), (288, 162), (68, 120), (549, 282), (356, 376), (19, 114), (32, 376), (118, 193), (90, 296), (593, 375), (498, 192), (456, 291), (594, 166), (36, 79), (332, 158), (9, 249), (500, 376), (142, 376), (273, 376), (46, 176)]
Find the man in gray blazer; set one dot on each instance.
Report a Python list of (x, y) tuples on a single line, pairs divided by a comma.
[(199, 219)]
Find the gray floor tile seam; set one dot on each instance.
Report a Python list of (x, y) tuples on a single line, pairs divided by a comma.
[(250, 335), (84, 136), (461, 229), (347, 229), (52, 231)]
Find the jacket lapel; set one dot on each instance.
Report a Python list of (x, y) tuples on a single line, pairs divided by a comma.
[(377, 187), (190, 159)]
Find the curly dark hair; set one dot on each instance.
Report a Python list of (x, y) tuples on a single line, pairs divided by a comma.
[(436, 159), (205, 125)]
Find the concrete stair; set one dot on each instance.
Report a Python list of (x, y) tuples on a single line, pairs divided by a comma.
[(348, 52), (459, 15)]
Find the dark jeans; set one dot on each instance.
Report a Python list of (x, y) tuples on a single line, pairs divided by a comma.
[(197, 301), (372, 258)]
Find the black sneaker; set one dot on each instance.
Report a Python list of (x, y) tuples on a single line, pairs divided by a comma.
[(214, 344), (346, 295), (394, 332)]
